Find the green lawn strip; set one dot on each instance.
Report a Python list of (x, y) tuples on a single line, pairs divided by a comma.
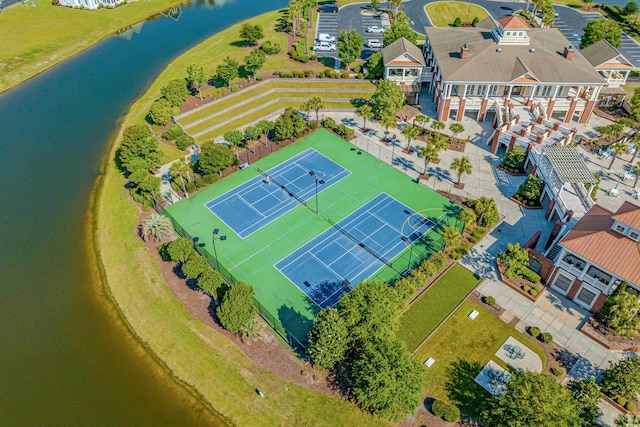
[(259, 91), (435, 304), (442, 14), (243, 121), (170, 153), (252, 259), (461, 347)]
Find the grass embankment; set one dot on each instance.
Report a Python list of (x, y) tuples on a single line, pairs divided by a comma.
[(33, 39), (461, 348), (196, 354), (442, 14), (435, 304)]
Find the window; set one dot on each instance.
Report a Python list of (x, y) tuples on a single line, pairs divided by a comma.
[(508, 34), (586, 296), (493, 89), (535, 265), (634, 235), (562, 283), (546, 90), (620, 228), (470, 89), (520, 33)]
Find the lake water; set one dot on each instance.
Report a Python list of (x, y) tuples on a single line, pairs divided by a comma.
[(64, 359)]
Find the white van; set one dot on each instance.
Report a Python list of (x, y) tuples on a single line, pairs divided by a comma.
[(323, 37)]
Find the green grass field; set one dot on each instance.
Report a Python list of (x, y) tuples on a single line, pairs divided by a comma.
[(461, 348), (252, 259), (435, 304), (442, 14)]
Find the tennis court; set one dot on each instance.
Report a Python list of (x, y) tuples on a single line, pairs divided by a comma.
[(353, 249), (259, 201)]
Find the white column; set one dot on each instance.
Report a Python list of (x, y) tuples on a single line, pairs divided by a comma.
[(555, 92), (464, 91), (509, 93)]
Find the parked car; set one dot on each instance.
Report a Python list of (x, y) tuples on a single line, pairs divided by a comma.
[(328, 8), (374, 43), (324, 47), (375, 29), (323, 37)]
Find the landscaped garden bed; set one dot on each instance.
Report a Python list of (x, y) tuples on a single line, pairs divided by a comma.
[(513, 162), (513, 268), (528, 195)]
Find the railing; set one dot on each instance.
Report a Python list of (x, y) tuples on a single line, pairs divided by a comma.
[(570, 268)]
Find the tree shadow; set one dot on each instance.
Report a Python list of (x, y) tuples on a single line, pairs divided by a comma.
[(240, 43), (296, 328), (327, 61), (461, 388)]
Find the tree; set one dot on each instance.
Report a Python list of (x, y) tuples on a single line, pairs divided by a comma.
[(147, 191), (196, 78), (366, 112), (180, 249), (266, 127), (621, 312), (214, 157), (156, 227), (618, 148), (398, 30), (461, 165), (515, 259), (388, 379), (161, 112), (422, 119), (138, 142), (486, 210), (531, 188), (636, 169), (396, 4), (294, 11), (349, 46), (317, 103), (548, 15), (254, 61), (387, 99), (370, 310), (375, 65), (600, 29), (181, 174), (631, 8), (235, 137), (456, 128), (410, 132), (437, 125), (227, 71), (388, 121), (305, 107), (622, 379), (468, 217), (635, 104), (374, 4), (451, 236), (328, 339), (237, 307), (251, 33), (289, 125), (195, 266), (175, 92), (430, 154), (586, 394), (210, 281), (253, 132)]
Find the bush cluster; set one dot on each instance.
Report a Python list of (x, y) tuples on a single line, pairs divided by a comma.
[(531, 276), (340, 129), (173, 133), (490, 301), (477, 234), (329, 73), (270, 48), (407, 286), (534, 331), (545, 337), (442, 409)]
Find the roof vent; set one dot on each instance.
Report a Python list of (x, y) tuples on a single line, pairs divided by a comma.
[(532, 50), (499, 49)]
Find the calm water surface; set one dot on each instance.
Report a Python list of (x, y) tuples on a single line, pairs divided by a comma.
[(63, 359)]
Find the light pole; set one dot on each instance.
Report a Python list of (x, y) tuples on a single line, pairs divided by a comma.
[(407, 241), (318, 181), (213, 241)]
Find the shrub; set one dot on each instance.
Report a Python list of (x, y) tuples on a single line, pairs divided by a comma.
[(457, 22), (235, 88), (173, 132), (211, 178), (345, 132), (308, 73), (531, 188), (190, 186), (452, 414), (321, 75), (533, 292), (434, 264), (200, 183), (344, 75), (329, 123), (545, 337), (475, 21), (537, 287), (439, 407), (490, 301), (161, 111), (183, 141), (531, 276), (313, 125), (514, 159), (258, 78), (630, 406), (534, 331), (477, 234), (621, 401), (270, 48), (557, 372), (360, 76), (459, 252), (526, 288)]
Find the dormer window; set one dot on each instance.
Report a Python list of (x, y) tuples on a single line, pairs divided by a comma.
[(634, 235), (620, 228)]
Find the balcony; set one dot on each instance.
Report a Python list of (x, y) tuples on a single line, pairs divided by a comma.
[(573, 265), (597, 278)]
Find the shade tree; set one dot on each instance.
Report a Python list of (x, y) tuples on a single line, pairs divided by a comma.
[(180, 249), (237, 307), (599, 29), (349, 46), (175, 92), (214, 157), (196, 78), (387, 99), (227, 71), (254, 61), (251, 33), (328, 339)]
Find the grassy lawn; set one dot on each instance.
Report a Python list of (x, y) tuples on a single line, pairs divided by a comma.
[(461, 348), (443, 14), (435, 304)]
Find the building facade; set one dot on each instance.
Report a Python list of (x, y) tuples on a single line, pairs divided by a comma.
[(599, 253), (404, 64), (91, 4)]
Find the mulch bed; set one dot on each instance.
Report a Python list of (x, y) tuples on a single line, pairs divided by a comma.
[(537, 206), (608, 337), (508, 172)]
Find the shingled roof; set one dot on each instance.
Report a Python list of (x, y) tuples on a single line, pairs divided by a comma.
[(404, 52), (602, 52), (489, 62)]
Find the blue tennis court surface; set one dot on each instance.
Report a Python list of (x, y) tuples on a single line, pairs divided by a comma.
[(353, 249), (254, 204)]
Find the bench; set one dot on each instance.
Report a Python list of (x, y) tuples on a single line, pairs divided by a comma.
[(244, 165)]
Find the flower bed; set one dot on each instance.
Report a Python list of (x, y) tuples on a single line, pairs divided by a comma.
[(607, 337), (520, 285)]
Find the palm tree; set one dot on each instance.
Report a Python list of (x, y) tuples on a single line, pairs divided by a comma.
[(411, 132), (388, 121), (635, 143), (430, 154), (451, 236), (461, 165), (252, 330), (156, 226), (366, 112), (317, 103), (439, 141), (636, 169), (617, 148), (181, 169)]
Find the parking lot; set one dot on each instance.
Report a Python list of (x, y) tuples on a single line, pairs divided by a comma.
[(569, 29), (348, 18)]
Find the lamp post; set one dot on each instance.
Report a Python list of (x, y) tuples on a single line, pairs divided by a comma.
[(407, 241), (213, 241), (318, 181)]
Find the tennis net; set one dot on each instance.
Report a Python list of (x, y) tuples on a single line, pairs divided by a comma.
[(284, 188)]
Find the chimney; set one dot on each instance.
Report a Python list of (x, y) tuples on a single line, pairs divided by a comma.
[(568, 52), (464, 51)]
